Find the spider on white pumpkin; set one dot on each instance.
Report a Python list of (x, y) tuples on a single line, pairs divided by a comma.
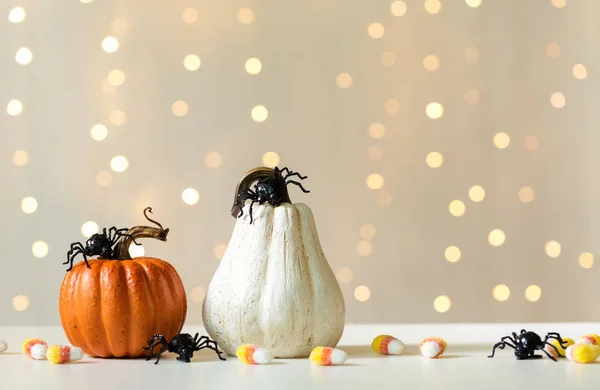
[(270, 187)]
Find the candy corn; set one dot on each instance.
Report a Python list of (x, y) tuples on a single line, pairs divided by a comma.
[(583, 353), (387, 345), (592, 339), (561, 350), (432, 347), (327, 356), (3, 346), (61, 354), (35, 348), (253, 354)]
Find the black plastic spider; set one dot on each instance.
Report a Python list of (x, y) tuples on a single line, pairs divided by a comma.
[(526, 343), (269, 189), (102, 244), (183, 344)]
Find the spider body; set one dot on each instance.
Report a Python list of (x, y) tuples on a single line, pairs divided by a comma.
[(99, 244), (183, 344), (270, 189), (527, 343)]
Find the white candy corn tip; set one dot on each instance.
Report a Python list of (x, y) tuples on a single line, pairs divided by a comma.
[(430, 349), (338, 356), (76, 354), (38, 351), (262, 356), (395, 347), (3, 346)]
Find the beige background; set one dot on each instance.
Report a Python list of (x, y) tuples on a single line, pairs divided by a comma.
[(499, 64)]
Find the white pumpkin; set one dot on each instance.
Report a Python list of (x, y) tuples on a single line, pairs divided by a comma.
[(274, 286)]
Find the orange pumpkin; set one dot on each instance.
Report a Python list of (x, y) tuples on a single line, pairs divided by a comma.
[(112, 308)]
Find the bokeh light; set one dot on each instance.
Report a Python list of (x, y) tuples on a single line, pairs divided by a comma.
[(364, 248), (442, 304), (99, 132), (496, 237), (559, 3), (471, 54), (220, 250), (434, 110), (374, 181), (116, 77), (343, 275), (39, 249), (23, 56), (434, 159), (16, 15), (245, 15), (431, 62), (579, 71), (532, 142), (110, 44), (198, 294), (190, 196), (89, 228), (476, 193), (501, 292), (452, 254), (473, 3), (362, 293), (270, 159), (191, 62), (14, 107), (119, 163), (533, 293), (558, 100), (586, 260), (457, 208), (398, 8), (212, 159), (136, 250), (388, 59), (472, 96), (189, 15), (20, 302), (103, 178), (526, 194), (433, 6), (553, 248), (376, 30), (20, 158), (376, 130), (391, 106), (343, 80), (383, 198), (179, 108), (29, 204), (259, 114), (253, 66), (367, 232), (553, 50), (117, 117), (501, 140)]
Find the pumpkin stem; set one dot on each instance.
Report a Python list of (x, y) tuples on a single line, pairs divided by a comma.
[(122, 248)]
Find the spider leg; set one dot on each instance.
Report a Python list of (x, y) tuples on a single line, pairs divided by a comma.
[(74, 246), (298, 184), (71, 257), (555, 336), (546, 352), (553, 346), (251, 204), (502, 344), (284, 169), (156, 340), (523, 331), (295, 174), (205, 342)]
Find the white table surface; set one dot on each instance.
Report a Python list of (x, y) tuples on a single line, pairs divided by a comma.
[(464, 365)]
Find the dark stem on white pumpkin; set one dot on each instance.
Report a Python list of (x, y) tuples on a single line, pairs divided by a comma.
[(131, 236), (252, 176)]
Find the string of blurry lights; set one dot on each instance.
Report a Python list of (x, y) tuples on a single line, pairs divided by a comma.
[(259, 113)]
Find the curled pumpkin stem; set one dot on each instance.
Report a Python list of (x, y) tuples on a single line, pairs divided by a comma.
[(129, 237)]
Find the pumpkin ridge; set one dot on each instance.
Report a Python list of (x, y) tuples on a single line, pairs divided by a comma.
[(100, 321), (62, 309), (81, 293), (144, 268), (132, 293)]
